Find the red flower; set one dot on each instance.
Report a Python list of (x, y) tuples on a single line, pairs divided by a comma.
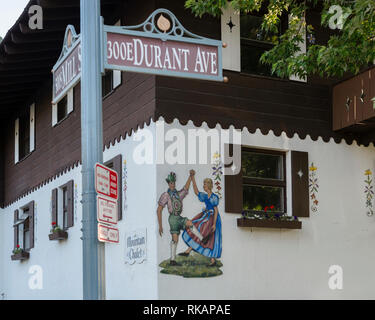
[(265, 209), (53, 223), (18, 246), (272, 207)]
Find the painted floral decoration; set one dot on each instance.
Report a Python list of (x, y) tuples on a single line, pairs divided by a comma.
[(369, 192), (313, 187), (217, 173)]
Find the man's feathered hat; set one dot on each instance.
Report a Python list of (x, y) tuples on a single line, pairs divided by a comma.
[(171, 177)]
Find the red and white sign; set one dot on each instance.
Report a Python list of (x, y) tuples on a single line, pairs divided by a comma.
[(106, 181), (108, 234), (107, 210)]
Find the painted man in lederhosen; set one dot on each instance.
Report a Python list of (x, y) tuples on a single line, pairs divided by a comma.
[(173, 199)]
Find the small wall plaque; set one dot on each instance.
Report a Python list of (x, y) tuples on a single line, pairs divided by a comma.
[(136, 246)]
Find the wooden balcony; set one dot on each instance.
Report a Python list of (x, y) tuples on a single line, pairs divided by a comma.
[(354, 103)]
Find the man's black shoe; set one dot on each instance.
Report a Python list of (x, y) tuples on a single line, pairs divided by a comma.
[(174, 263)]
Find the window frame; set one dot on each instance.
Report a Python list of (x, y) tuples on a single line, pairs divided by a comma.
[(28, 115), (259, 44), (70, 104), (111, 75), (266, 182), (24, 134), (63, 206), (29, 211), (65, 212)]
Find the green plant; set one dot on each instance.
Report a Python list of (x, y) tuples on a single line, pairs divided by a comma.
[(348, 50), (55, 228), (17, 249)]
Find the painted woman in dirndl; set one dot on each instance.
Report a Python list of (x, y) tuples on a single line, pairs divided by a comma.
[(208, 222)]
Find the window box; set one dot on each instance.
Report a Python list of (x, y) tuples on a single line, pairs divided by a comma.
[(58, 235), (21, 255), (262, 182), (269, 223)]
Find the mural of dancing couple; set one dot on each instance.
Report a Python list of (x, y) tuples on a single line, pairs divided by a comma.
[(202, 234)]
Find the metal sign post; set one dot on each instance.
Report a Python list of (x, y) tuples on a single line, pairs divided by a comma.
[(92, 148), (162, 46)]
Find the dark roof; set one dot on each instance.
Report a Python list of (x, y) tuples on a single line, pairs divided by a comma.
[(27, 56)]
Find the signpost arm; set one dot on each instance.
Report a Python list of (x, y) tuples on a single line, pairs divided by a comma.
[(92, 148)]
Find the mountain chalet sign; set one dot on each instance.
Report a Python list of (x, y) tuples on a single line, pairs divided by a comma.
[(160, 46)]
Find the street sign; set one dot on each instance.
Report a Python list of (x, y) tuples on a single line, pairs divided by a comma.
[(107, 210), (108, 234), (106, 181), (163, 47), (67, 70)]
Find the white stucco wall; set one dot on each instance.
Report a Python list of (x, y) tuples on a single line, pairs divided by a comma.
[(61, 261), (257, 263), (136, 281), (286, 264)]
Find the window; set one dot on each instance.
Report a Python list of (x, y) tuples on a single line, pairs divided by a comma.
[(112, 78), (63, 108), (26, 234), (247, 41), (254, 42), (63, 206), (110, 81), (24, 142), (24, 227), (264, 183), (116, 165), (24, 134)]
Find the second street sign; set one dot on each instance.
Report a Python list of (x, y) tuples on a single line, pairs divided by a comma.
[(67, 70), (160, 46)]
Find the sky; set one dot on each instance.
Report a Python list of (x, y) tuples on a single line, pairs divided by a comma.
[(9, 13)]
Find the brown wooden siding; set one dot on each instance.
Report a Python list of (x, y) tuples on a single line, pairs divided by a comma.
[(2, 150), (130, 105), (55, 149), (251, 102), (246, 101), (59, 148)]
